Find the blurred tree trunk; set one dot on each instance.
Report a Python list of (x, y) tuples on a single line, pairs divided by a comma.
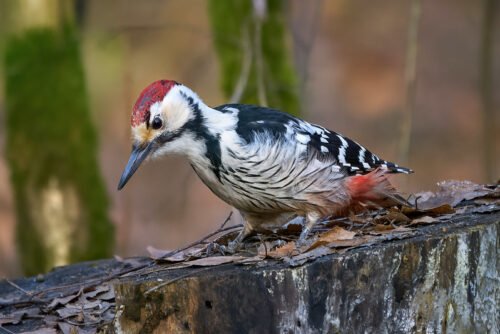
[(305, 17), (51, 144), (410, 82), (486, 50), (250, 40)]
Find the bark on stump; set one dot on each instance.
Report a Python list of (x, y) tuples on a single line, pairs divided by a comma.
[(444, 280)]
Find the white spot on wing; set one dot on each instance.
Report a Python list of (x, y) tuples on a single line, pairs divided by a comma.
[(324, 140), (324, 149), (361, 155), (309, 127), (342, 150), (302, 138)]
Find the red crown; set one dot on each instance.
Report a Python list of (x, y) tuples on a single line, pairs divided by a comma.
[(153, 93)]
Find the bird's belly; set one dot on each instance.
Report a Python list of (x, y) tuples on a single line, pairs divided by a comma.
[(277, 185), (243, 195)]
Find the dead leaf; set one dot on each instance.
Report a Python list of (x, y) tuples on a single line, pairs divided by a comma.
[(335, 234), (464, 190), (264, 248), (51, 320), (90, 305), (80, 317), (214, 261), (436, 210), (43, 331), (98, 290), (67, 328), (6, 301), (487, 201), (358, 219), (392, 216), (294, 226), (424, 220), (485, 209), (251, 260), (109, 295), (68, 312), (17, 316), (156, 253), (177, 256), (118, 258), (108, 316), (441, 210), (397, 229), (381, 227), (64, 300), (284, 251), (302, 258), (7, 320), (350, 243), (451, 193)]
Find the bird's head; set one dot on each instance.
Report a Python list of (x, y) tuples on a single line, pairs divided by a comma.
[(158, 119)]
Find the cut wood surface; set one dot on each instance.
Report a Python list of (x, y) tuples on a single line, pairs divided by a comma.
[(431, 268)]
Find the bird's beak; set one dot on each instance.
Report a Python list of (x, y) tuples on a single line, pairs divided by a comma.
[(137, 156)]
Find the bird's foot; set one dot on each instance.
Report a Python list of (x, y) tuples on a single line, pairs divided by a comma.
[(302, 241), (214, 248), (231, 248)]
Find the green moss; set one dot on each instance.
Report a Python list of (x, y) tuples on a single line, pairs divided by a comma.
[(233, 22), (50, 136)]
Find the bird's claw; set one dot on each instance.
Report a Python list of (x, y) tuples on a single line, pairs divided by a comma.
[(233, 247)]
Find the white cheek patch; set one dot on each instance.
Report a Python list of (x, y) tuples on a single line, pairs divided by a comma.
[(176, 110), (186, 145)]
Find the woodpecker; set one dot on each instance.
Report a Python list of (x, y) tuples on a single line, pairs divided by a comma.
[(267, 164)]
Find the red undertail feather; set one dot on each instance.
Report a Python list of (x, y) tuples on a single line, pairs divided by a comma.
[(373, 187)]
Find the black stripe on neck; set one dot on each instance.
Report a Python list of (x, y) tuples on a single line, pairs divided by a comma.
[(200, 130)]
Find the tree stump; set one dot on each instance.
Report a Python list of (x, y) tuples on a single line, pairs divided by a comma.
[(444, 280), (433, 268)]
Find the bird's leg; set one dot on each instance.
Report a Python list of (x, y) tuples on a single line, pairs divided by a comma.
[(311, 219), (258, 222), (234, 245)]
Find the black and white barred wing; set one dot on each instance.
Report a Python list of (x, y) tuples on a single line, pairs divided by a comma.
[(256, 122), (276, 161), (350, 156)]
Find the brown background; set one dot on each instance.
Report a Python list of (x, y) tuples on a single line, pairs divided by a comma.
[(350, 56)]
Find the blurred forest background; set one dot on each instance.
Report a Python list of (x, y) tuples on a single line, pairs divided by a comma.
[(415, 81)]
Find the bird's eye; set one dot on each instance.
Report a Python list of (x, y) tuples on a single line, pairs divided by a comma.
[(157, 123)]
